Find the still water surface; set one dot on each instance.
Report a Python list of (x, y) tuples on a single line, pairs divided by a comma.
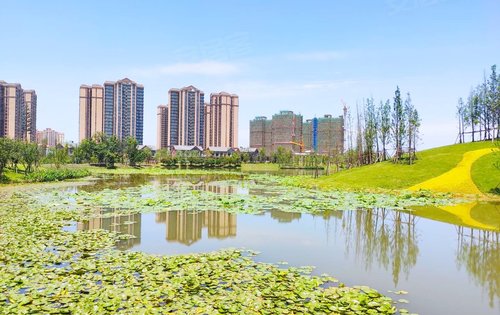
[(446, 268)]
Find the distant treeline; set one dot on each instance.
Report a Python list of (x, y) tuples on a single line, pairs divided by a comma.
[(379, 128), (107, 150), (479, 115)]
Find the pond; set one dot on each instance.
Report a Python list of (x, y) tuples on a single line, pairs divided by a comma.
[(449, 263)]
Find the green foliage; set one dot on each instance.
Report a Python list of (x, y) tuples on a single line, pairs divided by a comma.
[(58, 156), (384, 118), (195, 161), (5, 153), (480, 115), (398, 124), (15, 152), (269, 167), (48, 270), (282, 156), (386, 175), (30, 157), (485, 173), (133, 154), (370, 131), (50, 175), (278, 195)]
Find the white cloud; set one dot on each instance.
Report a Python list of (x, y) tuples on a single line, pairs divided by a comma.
[(206, 68), (317, 56)]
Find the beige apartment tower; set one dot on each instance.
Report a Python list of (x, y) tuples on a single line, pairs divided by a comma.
[(49, 137), (221, 119), (91, 110), (162, 127), (17, 112), (29, 97), (117, 108), (182, 121)]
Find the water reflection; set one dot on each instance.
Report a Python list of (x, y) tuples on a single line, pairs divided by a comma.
[(185, 227), (122, 223), (380, 236), (285, 217), (126, 181), (390, 250), (479, 252)]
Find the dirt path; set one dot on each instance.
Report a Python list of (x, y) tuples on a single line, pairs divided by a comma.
[(458, 179)]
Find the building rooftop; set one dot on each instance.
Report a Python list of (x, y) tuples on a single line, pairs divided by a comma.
[(219, 149), (186, 148)]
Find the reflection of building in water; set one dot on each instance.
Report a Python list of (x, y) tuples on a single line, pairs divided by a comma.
[(285, 217), (124, 224), (186, 227), (479, 252), (215, 187)]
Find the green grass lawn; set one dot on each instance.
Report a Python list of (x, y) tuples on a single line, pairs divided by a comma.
[(485, 175), (259, 167), (386, 175)]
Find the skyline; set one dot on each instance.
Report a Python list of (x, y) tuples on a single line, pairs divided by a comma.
[(307, 61)]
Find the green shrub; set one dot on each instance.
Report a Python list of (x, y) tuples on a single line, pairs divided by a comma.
[(50, 175)]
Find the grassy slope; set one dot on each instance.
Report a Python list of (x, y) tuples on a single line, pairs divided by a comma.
[(485, 175), (386, 175)]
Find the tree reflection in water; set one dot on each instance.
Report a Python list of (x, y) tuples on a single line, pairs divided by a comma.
[(380, 236), (479, 252)]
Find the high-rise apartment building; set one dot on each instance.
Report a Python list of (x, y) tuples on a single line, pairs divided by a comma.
[(29, 97), (17, 112), (117, 108), (91, 110), (162, 127), (221, 119), (324, 135), (49, 137), (283, 130), (183, 118)]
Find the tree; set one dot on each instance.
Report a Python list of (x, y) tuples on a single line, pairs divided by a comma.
[(134, 155), (262, 155), (370, 132), (30, 156), (411, 123), (58, 155), (5, 152), (147, 154), (112, 151), (384, 125), (398, 124), (494, 99), (16, 153), (282, 156), (84, 152), (161, 155), (461, 112)]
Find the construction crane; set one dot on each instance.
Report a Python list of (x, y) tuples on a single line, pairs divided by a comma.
[(292, 135)]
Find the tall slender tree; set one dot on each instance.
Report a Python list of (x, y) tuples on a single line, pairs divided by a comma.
[(370, 130), (410, 124), (398, 124), (461, 112), (384, 125)]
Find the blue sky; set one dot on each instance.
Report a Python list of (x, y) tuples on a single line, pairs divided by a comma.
[(304, 56)]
